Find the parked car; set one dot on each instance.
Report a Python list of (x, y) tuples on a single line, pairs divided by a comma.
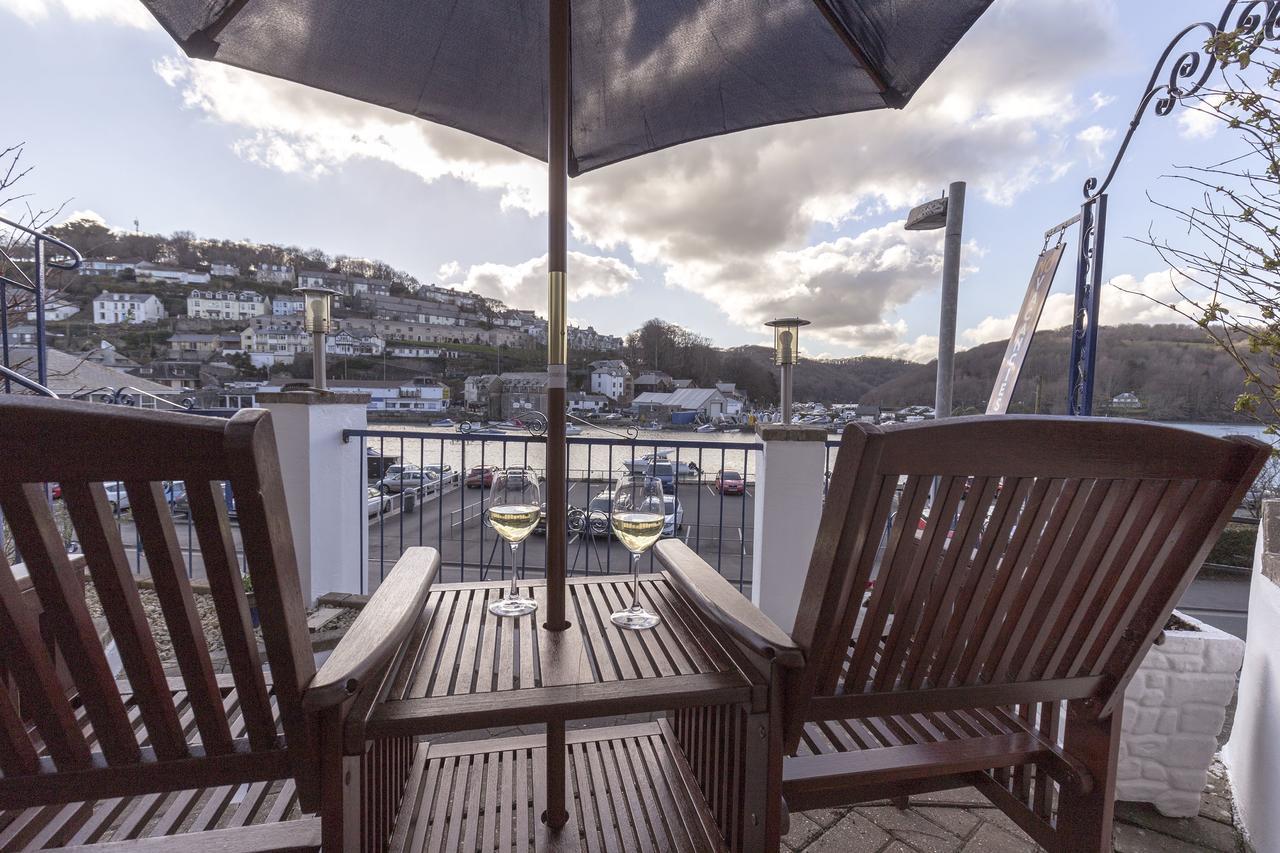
[(117, 497), (409, 478), (481, 476), (599, 512), (180, 507), (379, 502), (518, 475), (730, 483), (675, 516), (444, 473), (576, 520)]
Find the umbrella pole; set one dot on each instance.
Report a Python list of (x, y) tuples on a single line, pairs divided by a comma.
[(557, 374)]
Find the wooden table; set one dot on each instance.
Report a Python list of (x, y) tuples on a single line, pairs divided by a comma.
[(464, 669)]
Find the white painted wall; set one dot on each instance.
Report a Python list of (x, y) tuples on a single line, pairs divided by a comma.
[(788, 507), (1252, 755), (325, 495)]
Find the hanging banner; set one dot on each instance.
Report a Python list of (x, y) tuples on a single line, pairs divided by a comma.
[(1024, 328)]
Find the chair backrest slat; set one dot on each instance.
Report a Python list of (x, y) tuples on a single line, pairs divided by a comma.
[(36, 534), (1017, 550), (217, 548), (96, 723), (32, 669), (108, 566), (173, 588)]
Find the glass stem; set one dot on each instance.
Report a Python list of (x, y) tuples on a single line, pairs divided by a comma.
[(514, 592), (635, 581)]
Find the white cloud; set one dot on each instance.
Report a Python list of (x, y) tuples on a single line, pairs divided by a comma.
[(731, 218), (1094, 137), (129, 13), (1101, 101), (1199, 122), (1125, 299), (525, 284)]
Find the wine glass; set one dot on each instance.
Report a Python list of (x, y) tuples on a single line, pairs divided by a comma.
[(514, 510), (638, 516)]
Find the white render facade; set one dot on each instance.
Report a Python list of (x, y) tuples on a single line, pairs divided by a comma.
[(160, 272), (227, 304), (131, 308)]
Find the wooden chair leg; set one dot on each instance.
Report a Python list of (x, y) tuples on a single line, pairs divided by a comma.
[(1084, 819)]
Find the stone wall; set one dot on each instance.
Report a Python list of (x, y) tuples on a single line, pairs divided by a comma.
[(1174, 710)]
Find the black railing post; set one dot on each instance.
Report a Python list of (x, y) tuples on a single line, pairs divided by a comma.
[(1084, 319)]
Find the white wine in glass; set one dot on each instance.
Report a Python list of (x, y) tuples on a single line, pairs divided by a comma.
[(514, 510), (637, 517)]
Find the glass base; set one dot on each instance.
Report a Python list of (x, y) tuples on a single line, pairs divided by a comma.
[(513, 606), (635, 619)]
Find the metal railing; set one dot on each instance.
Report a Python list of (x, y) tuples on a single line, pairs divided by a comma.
[(449, 513), (33, 283)]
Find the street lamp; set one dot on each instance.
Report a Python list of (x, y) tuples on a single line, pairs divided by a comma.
[(786, 352), (317, 318), (947, 211)]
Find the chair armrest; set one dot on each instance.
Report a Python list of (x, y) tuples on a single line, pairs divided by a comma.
[(378, 631), (716, 599)]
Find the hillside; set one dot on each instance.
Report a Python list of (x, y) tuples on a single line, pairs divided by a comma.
[(1174, 370), (833, 379)]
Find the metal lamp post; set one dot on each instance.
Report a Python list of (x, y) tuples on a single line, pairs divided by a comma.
[(947, 211), (786, 352), (317, 318)]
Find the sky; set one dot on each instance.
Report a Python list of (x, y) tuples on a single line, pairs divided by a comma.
[(717, 235)]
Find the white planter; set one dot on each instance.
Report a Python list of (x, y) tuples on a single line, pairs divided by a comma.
[(1174, 710)]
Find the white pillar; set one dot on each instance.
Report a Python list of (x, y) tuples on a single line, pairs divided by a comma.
[(325, 486), (1252, 755), (788, 506)]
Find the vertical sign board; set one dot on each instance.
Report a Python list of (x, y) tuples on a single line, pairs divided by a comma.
[(1024, 328)]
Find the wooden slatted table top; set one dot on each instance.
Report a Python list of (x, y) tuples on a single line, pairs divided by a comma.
[(464, 668)]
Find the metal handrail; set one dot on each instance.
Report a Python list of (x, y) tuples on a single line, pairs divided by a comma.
[(76, 258), (27, 382)]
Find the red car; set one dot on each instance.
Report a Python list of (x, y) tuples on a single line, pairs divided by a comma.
[(730, 483), (481, 476)]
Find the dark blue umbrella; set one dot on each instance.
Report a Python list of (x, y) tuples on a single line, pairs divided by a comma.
[(582, 84)]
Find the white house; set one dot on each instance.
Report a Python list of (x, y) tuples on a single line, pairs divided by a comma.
[(280, 342), (227, 304), (134, 308), (224, 270), (612, 378), (56, 307), (147, 271), (734, 400), (284, 306), (420, 394), (348, 343), (582, 403), (105, 267), (412, 351), (273, 273)]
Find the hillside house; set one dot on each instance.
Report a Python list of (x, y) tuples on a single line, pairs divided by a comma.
[(227, 304), (613, 379), (130, 308), (147, 271), (272, 273)]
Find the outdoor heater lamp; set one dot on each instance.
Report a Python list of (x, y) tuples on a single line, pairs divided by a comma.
[(786, 352), (317, 318)]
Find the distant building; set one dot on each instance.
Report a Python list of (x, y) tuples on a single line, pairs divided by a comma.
[(349, 343), (483, 394), (268, 345), (171, 374), (613, 379), (398, 350), (73, 375), (227, 304), (132, 308), (420, 394), (707, 402), (345, 284), (448, 295), (201, 346), (582, 403), (1126, 401), (224, 270), (735, 401), (147, 271), (23, 335), (56, 307), (417, 310), (655, 382), (523, 393), (285, 306), (106, 267), (272, 273)]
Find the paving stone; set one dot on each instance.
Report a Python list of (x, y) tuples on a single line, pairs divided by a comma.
[(991, 839), (826, 817), (1208, 834), (966, 796), (851, 834), (1134, 839), (803, 832), (1002, 820), (959, 822), (911, 827)]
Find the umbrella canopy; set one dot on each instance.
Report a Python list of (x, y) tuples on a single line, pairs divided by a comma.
[(644, 75)]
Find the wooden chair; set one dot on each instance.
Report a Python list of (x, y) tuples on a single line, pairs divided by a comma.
[(261, 757), (1019, 568)]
